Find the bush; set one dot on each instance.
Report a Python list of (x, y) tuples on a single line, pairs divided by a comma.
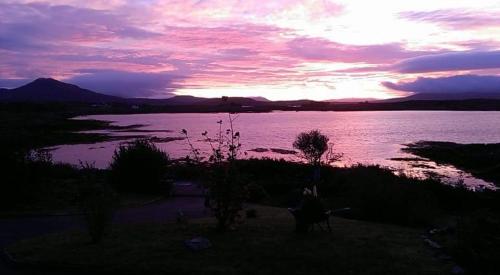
[(31, 180), (256, 193), (139, 167), (226, 187), (97, 202), (377, 194)]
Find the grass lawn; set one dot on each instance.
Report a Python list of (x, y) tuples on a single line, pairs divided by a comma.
[(265, 245)]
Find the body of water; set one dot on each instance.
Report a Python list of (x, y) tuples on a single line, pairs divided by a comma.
[(369, 137)]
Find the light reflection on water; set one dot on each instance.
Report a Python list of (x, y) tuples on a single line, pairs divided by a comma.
[(363, 137)]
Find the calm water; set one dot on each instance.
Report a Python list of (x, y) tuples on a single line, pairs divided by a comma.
[(363, 137)]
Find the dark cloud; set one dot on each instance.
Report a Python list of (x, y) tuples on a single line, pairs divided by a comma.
[(453, 61), (35, 25), (128, 84), (456, 19), (452, 84), (322, 49), (13, 83)]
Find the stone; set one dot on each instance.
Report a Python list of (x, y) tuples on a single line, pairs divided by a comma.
[(457, 270), (198, 243), (432, 243)]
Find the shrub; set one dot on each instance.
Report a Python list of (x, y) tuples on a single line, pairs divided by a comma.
[(30, 180), (226, 187), (226, 194), (139, 167), (256, 193), (97, 202), (377, 194)]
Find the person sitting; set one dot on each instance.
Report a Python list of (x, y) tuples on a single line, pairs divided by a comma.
[(310, 212)]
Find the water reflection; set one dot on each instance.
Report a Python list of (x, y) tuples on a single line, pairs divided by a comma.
[(363, 137)]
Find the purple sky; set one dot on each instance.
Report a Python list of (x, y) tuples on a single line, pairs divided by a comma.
[(315, 49)]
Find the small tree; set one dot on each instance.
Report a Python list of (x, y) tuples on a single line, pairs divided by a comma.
[(313, 145), (139, 167)]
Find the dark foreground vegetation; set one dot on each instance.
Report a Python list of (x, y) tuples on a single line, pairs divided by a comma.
[(388, 211), (481, 160), (26, 126), (375, 195), (30, 181)]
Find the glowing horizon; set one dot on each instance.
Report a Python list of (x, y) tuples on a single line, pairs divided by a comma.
[(280, 50)]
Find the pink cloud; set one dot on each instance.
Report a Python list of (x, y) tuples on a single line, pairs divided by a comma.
[(325, 50), (186, 44)]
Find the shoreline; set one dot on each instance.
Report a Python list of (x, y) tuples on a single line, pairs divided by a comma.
[(481, 160)]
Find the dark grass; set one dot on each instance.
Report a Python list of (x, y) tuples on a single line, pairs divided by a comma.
[(265, 245)]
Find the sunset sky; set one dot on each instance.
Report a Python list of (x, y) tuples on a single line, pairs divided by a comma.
[(276, 49)]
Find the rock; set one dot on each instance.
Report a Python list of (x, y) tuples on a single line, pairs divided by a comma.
[(433, 231), (198, 243), (181, 218), (259, 150), (432, 243), (457, 270), (444, 257), (283, 151), (251, 213)]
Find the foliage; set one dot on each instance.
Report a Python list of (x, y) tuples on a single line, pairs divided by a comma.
[(31, 180), (372, 192), (140, 167), (256, 193), (227, 194), (313, 145), (97, 202), (226, 189)]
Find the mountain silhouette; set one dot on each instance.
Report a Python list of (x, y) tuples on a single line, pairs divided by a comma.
[(51, 90), (44, 90)]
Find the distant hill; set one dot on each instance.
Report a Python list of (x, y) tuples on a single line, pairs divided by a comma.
[(351, 100), (48, 90), (186, 100), (51, 90), (180, 100), (260, 98)]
